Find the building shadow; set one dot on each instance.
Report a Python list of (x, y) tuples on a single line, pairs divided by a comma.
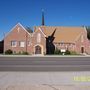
[(1, 46), (50, 48)]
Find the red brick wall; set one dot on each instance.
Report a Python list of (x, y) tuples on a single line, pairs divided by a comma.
[(42, 43), (69, 46), (84, 44), (76, 46), (17, 35), (22, 35)]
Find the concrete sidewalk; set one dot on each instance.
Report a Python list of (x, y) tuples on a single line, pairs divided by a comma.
[(46, 87), (44, 81)]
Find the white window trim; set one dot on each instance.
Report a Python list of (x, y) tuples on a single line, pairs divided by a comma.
[(29, 43), (13, 45), (21, 43)]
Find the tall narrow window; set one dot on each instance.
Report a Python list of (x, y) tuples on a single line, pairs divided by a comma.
[(18, 29), (13, 43), (38, 37), (82, 38), (29, 43)]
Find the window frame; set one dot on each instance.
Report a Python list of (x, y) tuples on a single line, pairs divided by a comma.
[(38, 38), (21, 44), (14, 43)]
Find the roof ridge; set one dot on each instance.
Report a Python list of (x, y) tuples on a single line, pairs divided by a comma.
[(62, 26)]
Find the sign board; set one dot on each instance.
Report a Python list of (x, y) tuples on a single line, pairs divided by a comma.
[(63, 50)]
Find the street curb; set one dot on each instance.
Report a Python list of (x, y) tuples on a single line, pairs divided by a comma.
[(44, 55)]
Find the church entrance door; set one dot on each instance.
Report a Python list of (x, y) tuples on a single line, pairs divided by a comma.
[(38, 50)]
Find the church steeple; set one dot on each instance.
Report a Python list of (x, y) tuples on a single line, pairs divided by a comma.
[(43, 23)]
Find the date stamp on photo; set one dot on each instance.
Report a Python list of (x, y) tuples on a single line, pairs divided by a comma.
[(82, 78)]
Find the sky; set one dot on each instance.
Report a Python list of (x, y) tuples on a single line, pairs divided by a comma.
[(29, 12)]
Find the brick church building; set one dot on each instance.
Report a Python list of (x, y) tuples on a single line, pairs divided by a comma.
[(45, 39)]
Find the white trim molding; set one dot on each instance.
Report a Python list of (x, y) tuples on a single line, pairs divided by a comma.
[(15, 27), (40, 31)]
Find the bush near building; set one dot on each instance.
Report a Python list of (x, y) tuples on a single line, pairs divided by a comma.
[(25, 53), (58, 52), (67, 52), (22, 53), (9, 52), (74, 53)]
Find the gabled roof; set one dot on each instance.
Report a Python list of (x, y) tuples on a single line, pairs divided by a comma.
[(15, 27), (19, 24), (40, 29), (63, 34)]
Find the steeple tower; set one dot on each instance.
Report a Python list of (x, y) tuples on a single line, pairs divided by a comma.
[(43, 23)]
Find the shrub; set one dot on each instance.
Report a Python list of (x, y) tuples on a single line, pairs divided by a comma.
[(57, 52), (22, 53), (19, 53), (9, 51), (73, 53), (25, 53), (67, 52)]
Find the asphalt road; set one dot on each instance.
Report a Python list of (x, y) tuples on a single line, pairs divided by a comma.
[(44, 63)]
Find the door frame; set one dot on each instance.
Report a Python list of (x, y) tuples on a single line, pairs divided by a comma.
[(82, 49), (41, 49)]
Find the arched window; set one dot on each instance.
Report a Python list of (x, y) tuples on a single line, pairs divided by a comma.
[(38, 37)]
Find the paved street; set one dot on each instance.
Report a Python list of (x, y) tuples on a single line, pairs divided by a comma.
[(44, 73), (44, 63)]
